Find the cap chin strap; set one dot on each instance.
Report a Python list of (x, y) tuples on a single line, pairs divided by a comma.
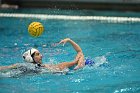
[(39, 64)]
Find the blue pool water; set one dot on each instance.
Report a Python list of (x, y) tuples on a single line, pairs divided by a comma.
[(114, 47)]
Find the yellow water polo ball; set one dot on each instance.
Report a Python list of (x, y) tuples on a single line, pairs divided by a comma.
[(35, 29)]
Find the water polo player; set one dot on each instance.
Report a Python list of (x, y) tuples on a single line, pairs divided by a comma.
[(34, 56)]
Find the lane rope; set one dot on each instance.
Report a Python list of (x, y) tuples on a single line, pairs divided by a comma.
[(68, 17)]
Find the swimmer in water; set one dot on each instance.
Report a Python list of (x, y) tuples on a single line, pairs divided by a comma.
[(34, 56)]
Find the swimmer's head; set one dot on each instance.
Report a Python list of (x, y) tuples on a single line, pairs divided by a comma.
[(32, 56)]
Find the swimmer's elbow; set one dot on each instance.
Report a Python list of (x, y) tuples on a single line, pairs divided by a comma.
[(14, 66), (80, 53), (79, 50)]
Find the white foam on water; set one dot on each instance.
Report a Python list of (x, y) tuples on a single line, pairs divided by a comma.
[(100, 60), (126, 90)]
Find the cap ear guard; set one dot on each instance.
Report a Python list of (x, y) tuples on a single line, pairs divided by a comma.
[(27, 56), (28, 59)]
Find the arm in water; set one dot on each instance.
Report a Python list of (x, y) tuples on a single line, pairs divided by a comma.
[(8, 67)]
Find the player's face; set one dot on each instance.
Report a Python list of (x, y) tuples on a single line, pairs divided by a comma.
[(38, 57)]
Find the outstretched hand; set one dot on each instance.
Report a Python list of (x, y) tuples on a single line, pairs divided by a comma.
[(64, 41)]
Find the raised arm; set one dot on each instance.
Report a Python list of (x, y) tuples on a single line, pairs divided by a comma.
[(79, 56)]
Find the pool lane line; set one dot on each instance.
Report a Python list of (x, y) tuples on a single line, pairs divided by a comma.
[(68, 17)]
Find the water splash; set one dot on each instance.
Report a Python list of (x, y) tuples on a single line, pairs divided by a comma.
[(100, 60), (124, 90)]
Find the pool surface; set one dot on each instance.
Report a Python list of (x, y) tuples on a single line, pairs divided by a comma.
[(114, 46)]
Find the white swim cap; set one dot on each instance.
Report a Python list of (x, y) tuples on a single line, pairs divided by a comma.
[(27, 55)]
